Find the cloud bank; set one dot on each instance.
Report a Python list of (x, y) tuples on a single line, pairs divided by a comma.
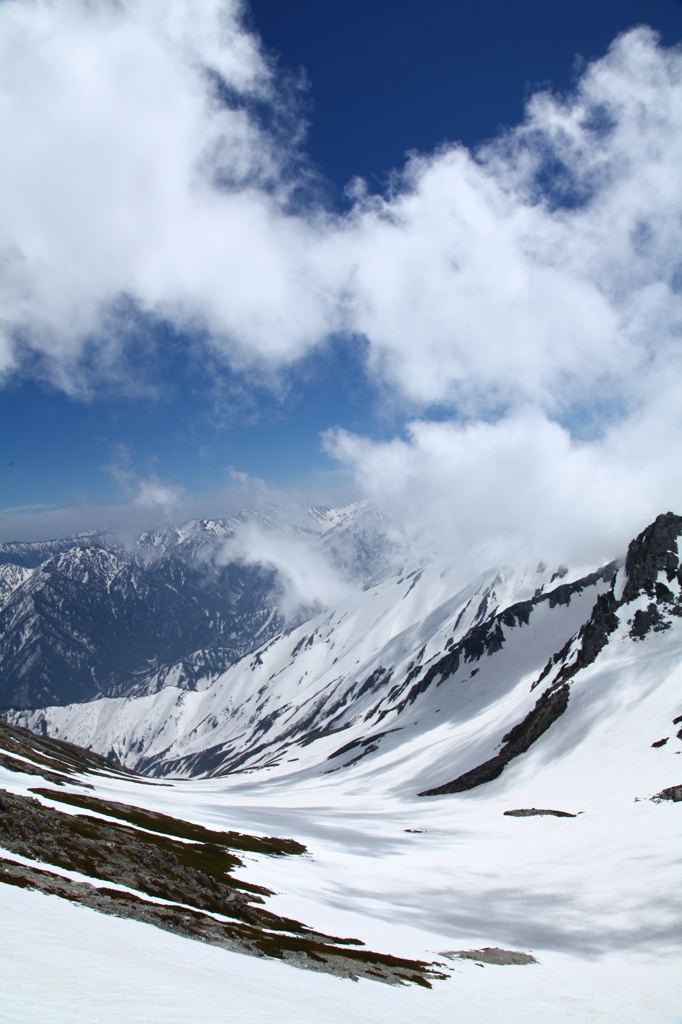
[(529, 293)]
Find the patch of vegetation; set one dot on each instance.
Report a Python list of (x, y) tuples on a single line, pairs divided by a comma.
[(13, 764), (193, 878), (167, 825), (57, 754)]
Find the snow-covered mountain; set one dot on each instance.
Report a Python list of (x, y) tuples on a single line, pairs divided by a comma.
[(89, 621), (477, 673), (359, 539), (391, 662), (89, 616), (482, 776)]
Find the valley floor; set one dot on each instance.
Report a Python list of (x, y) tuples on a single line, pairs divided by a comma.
[(63, 964)]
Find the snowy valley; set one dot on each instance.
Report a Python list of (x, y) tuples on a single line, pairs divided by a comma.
[(481, 776)]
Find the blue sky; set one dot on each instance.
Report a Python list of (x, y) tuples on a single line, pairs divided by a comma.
[(91, 412), (386, 77)]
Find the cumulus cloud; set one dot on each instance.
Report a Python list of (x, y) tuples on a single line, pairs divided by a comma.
[(532, 290), (134, 165), (536, 290), (522, 489), (145, 493), (547, 267)]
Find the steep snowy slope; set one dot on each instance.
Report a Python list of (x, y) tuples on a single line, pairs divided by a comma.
[(11, 577), (392, 662)]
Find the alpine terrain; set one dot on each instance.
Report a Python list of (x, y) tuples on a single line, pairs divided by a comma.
[(415, 782)]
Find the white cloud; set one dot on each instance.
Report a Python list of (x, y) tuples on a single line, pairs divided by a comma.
[(474, 285), (522, 490), (470, 283), (533, 284), (122, 174), (152, 493), (525, 297), (144, 493), (307, 577)]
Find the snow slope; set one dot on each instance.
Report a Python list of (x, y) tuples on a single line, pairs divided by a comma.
[(350, 674), (594, 896)]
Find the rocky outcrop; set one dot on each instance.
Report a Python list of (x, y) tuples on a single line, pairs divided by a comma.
[(535, 812), (491, 955), (652, 552), (488, 636)]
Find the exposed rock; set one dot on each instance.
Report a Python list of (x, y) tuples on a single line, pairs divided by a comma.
[(652, 552), (531, 812), (673, 793), (491, 955), (487, 637), (547, 709), (647, 619), (188, 881), (40, 755)]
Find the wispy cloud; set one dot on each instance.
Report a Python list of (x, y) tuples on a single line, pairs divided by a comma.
[(307, 578)]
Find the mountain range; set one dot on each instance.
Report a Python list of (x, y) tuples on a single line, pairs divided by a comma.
[(171, 663), (88, 616)]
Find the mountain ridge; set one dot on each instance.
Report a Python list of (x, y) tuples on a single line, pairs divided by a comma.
[(390, 666), (88, 616)]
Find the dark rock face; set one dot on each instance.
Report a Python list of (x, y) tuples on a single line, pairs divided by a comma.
[(673, 793), (655, 550), (89, 622), (548, 708), (646, 620)]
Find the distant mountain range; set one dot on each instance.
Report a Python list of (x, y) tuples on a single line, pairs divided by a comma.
[(400, 664), (87, 617)]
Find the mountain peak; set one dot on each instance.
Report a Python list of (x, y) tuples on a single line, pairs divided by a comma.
[(652, 552)]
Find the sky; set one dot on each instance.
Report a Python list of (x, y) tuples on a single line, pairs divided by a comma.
[(427, 253)]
